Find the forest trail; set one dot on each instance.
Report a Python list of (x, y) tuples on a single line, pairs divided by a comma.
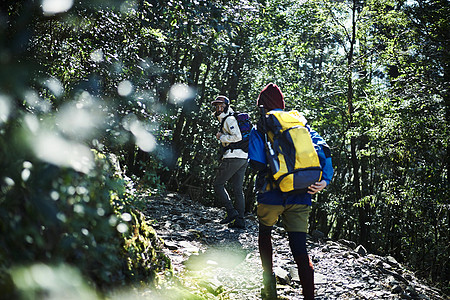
[(211, 261)]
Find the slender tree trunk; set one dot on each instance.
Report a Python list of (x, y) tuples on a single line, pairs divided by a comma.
[(362, 214), (338, 228), (205, 76), (195, 67), (234, 77), (184, 121), (230, 60), (446, 97)]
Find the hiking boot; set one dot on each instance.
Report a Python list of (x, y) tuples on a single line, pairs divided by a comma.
[(269, 291), (230, 217), (237, 223)]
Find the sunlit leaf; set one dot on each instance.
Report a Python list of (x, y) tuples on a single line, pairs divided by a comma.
[(51, 7), (56, 150), (179, 93), (97, 55), (125, 88), (145, 140), (5, 108), (80, 120)]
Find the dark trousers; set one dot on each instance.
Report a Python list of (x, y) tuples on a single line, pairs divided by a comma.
[(297, 243), (233, 170)]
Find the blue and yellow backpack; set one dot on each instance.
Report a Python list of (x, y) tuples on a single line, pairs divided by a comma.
[(292, 159)]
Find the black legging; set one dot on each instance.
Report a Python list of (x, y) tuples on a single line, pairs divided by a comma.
[(297, 243)]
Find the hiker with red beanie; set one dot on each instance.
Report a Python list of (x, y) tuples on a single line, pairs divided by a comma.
[(293, 208)]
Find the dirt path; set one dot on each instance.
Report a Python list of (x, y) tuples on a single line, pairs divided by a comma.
[(211, 261)]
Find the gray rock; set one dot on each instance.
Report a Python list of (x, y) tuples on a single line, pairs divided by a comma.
[(170, 245), (361, 250), (293, 273), (319, 278), (397, 289), (342, 270), (282, 275), (412, 291), (392, 261), (213, 286), (204, 220), (318, 234), (350, 244)]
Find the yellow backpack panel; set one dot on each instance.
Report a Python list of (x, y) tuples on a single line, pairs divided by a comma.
[(297, 164)]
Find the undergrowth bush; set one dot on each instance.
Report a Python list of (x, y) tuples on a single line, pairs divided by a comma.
[(55, 215)]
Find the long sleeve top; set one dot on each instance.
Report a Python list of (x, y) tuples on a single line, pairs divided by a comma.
[(257, 154), (231, 134)]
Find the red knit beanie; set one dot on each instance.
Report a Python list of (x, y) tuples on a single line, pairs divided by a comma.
[(271, 97)]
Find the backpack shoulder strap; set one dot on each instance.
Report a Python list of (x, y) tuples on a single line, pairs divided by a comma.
[(223, 120), (261, 126)]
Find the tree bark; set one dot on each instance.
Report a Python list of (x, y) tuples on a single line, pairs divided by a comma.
[(362, 214)]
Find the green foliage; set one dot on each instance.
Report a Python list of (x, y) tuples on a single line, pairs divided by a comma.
[(136, 78), (61, 201), (143, 251), (53, 281), (397, 122), (57, 215)]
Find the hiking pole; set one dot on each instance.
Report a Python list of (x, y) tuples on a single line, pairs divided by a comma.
[(266, 140), (272, 158)]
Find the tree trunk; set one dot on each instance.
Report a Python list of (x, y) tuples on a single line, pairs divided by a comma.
[(234, 77), (184, 121), (446, 97), (362, 214), (195, 67)]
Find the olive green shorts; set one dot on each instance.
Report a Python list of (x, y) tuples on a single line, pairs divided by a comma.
[(294, 216)]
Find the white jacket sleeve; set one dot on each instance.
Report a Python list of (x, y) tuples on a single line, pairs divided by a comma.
[(231, 131)]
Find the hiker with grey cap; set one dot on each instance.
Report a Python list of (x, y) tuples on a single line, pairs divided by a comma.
[(232, 166)]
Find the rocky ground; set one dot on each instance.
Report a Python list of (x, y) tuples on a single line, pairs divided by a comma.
[(211, 261)]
